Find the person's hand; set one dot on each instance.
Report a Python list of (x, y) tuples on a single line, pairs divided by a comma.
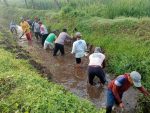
[(121, 105)]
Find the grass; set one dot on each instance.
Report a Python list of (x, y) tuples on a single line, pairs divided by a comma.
[(124, 38), (23, 90)]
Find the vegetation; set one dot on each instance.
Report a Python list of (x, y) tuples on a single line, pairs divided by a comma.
[(22, 90), (120, 27)]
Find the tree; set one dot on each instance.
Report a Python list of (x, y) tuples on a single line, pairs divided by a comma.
[(26, 3), (6, 3), (33, 6), (59, 6)]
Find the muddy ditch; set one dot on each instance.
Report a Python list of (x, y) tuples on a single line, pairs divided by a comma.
[(20, 53), (62, 71)]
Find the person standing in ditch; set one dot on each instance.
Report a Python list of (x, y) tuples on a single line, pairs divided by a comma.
[(79, 48), (59, 42), (26, 30), (118, 86), (36, 28), (49, 42), (96, 66), (43, 32)]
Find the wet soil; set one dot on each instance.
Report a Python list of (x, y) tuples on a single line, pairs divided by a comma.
[(64, 72)]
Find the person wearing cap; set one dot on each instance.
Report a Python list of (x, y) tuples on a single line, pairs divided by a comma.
[(26, 29), (59, 42), (49, 42), (118, 86), (79, 47), (43, 32), (96, 65)]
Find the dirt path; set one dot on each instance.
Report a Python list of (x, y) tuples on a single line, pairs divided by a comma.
[(75, 79)]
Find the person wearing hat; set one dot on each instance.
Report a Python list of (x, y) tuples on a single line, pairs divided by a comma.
[(118, 86), (26, 29), (59, 42), (79, 47), (96, 65)]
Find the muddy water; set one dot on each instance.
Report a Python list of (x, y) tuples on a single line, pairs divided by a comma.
[(75, 79)]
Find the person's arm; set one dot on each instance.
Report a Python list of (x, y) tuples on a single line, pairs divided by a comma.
[(73, 48), (116, 94), (144, 91), (104, 64)]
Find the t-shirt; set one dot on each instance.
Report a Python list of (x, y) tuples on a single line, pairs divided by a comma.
[(43, 30), (79, 48), (61, 38), (51, 37), (96, 59)]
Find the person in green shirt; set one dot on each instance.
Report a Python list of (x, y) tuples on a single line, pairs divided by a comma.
[(49, 42)]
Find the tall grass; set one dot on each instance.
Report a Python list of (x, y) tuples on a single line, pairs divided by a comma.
[(101, 8)]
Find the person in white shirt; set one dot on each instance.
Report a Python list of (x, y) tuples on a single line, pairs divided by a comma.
[(96, 65), (79, 48), (43, 32)]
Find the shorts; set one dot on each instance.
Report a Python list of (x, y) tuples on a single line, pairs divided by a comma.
[(28, 35)]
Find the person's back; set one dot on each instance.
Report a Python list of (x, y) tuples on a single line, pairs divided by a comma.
[(61, 38), (80, 47), (51, 37), (96, 59)]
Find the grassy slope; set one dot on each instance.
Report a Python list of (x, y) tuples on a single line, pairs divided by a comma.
[(23, 90), (125, 39)]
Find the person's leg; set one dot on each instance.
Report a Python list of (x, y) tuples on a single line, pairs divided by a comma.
[(56, 48), (91, 75), (36, 36), (51, 46), (101, 75), (46, 45), (62, 49), (110, 101), (44, 38), (29, 38)]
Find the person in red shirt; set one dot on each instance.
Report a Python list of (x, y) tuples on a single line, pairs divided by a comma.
[(122, 83)]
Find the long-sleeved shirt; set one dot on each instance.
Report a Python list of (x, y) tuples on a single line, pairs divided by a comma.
[(25, 27), (79, 48), (61, 38)]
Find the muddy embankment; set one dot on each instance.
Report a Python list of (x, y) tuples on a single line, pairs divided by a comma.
[(62, 70)]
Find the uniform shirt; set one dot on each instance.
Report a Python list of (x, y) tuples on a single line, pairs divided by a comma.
[(96, 59), (25, 27), (79, 48), (43, 30), (61, 38), (51, 37)]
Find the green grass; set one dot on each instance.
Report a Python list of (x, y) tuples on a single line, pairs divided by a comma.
[(100, 8), (126, 40), (22, 90)]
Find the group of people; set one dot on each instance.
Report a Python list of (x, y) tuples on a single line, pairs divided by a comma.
[(116, 87)]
